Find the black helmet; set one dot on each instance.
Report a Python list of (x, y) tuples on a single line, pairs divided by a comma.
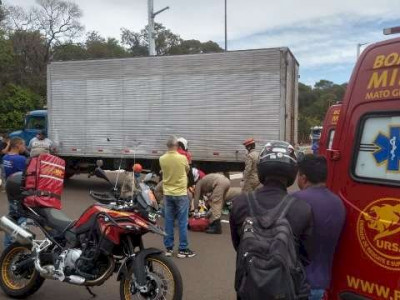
[(277, 158), (13, 187)]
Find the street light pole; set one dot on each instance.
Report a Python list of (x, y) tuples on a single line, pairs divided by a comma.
[(226, 26), (150, 26), (359, 45)]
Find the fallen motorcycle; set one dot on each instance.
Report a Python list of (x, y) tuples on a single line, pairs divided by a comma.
[(105, 240)]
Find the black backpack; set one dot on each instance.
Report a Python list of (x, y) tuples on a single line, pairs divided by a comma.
[(267, 266)]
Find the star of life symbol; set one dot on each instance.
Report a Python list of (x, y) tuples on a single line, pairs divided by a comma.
[(389, 149)]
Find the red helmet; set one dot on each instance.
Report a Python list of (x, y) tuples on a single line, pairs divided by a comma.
[(137, 168), (249, 142)]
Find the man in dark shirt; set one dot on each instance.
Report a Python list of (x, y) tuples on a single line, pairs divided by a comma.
[(277, 169), (328, 218)]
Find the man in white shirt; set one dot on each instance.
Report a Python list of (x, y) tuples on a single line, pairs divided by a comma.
[(40, 143)]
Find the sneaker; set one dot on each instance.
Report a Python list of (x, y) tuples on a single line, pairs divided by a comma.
[(169, 252), (187, 253)]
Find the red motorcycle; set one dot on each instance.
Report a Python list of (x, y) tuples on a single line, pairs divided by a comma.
[(106, 239)]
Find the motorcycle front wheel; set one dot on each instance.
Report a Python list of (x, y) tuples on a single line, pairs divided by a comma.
[(163, 277), (18, 282)]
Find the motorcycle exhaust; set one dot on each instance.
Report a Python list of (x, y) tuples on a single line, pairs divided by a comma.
[(16, 232), (73, 279)]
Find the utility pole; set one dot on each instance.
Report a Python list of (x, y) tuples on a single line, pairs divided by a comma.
[(226, 26), (150, 26)]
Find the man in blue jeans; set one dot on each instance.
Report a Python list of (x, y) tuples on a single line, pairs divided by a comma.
[(175, 168), (328, 219)]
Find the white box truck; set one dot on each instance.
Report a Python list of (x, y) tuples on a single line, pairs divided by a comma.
[(112, 108)]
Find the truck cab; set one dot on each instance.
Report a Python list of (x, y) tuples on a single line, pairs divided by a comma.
[(329, 128), (364, 170), (35, 121)]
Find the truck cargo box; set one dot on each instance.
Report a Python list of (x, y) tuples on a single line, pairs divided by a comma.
[(113, 107)]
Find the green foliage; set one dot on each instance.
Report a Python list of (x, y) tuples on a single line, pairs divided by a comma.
[(29, 68), (167, 43), (99, 47), (6, 59), (15, 102), (314, 103), (194, 47), (69, 51), (2, 13), (164, 38)]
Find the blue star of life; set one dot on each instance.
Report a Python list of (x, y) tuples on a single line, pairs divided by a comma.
[(389, 149)]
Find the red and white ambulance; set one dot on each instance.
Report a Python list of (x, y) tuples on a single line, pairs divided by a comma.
[(364, 171), (329, 128)]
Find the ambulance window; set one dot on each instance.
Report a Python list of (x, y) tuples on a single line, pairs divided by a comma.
[(378, 149), (330, 138)]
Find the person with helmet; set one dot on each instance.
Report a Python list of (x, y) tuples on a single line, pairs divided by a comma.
[(183, 148), (131, 182), (250, 176), (218, 186), (277, 170)]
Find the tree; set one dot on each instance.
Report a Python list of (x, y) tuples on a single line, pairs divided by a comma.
[(135, 42), (314, 102), (2, 13), (15, 102), (167, 43), (99, 47), (56, 20), (138, 42), (195, 47), (29, 70), (164, 38), (6, 59), (69, 51)]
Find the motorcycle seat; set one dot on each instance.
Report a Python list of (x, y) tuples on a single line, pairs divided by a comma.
[(56, 218)]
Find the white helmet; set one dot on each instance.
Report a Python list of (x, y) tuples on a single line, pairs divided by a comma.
[(196, 174), (184, 143)]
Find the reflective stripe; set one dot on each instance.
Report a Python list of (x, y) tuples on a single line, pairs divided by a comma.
[(52, 164), (51, 177)]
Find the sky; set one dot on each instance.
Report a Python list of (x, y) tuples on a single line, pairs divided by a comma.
[(323, 35)]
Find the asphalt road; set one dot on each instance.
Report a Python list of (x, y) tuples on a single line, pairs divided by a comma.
[(209, 275)]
